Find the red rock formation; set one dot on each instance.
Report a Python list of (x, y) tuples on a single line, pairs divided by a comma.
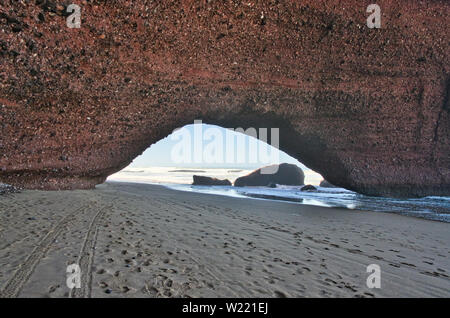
[(366, 108)]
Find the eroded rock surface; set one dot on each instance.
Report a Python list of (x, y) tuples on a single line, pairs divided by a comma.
[(366, 108)]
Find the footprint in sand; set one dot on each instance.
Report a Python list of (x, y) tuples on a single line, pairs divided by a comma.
[(279, 294), (53, 288), (103, 285)]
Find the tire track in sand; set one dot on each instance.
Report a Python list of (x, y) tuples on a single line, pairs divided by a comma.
[(15, 284), (86, 257)]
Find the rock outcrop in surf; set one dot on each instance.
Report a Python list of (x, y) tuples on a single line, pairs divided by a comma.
[(208, 181), (284, 174), (308, 188)]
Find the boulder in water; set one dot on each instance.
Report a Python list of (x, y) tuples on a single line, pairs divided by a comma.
[(202, 180), (308, 187), (285, 174)]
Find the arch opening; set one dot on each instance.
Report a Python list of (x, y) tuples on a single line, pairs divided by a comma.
[(345, 106), (195, 147), (202, 150)]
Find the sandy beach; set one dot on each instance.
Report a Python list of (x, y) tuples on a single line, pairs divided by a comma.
[(136, 240)]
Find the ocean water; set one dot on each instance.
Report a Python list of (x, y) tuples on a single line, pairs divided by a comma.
[(175, 175), (431, 208)]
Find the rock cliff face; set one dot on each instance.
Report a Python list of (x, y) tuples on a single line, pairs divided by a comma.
[(366, 108)]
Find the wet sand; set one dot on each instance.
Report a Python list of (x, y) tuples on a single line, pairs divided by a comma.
[(135, 240)]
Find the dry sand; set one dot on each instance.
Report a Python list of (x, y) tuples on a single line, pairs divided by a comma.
[(134, 240)]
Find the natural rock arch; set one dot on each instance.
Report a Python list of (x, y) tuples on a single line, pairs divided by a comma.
[(366, 108)]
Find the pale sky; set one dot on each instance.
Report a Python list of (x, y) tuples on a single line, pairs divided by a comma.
[(161, 153)]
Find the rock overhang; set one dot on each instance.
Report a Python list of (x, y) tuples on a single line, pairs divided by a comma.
[(366, 108)]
